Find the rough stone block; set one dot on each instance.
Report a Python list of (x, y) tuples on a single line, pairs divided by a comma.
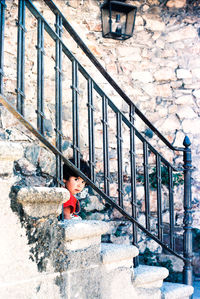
[(144, 77), (185, 33), (148, 293), (42, 201), (176, 3), (154, 25), (6, 168), (115, 255), (10, 151), (117, 284), (93, 204), (82, 258), (84, 284), (149, 276), (176, 291), (84, 229), (40, 287)]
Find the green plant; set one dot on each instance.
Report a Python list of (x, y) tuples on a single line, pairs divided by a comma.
[(177, 178)]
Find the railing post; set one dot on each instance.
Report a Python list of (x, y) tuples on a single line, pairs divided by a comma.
[(2, 24), (133, 182), (58, 98), (187, 221), (21, 57)]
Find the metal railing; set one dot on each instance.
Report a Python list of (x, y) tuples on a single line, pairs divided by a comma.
[(124, 127)]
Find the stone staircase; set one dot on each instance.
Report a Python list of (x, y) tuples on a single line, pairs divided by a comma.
[(43, 258), (92, 269)]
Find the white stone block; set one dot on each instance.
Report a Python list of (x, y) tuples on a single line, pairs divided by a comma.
[(149, 276), (186, 112), (144, 77), (10, 151), (185, 100), (185, 33), (196, 93), (154, 25), (82, 234), (183, 74), (176, 291)]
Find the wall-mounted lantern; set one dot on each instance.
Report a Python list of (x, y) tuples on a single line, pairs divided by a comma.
[(118, 19)]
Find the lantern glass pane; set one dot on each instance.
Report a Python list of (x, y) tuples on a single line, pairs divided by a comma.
[(130, 23), (105, 22), (118, 23)]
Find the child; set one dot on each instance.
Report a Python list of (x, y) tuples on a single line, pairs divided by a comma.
[(75, 184)]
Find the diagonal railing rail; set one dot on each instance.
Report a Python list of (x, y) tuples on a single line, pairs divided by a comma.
[(123, 134)]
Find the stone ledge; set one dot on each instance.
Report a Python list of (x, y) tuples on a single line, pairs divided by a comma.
[(115, 252), (80, 234), (42, 201), (149, 276), (176, 290), (81, 229)]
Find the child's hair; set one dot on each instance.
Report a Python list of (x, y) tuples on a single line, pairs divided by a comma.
[(68, 172)]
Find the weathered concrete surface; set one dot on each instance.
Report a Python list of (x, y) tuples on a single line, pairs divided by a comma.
[(176, 291), (149, 277), (117, 255), (82, 263), (42, 201), (117, 271), (19, 276)]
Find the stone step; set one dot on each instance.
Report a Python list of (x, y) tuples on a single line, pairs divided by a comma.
[(117, 271), (149, 276), (79, 234), (118, 255), (121, 280), (171, 290), (148, 280)]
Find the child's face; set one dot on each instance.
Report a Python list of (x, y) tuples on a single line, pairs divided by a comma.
[(74, 184)]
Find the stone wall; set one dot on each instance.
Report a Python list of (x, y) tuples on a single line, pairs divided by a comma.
[(27, 242)]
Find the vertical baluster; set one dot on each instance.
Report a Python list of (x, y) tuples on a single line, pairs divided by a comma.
[(159, 197), (75, 92), (187, 221), (105, 144), (20, 56), (58, 96), (40, 76), (133, 181), (2, 24), (146, 185), (119, 158), (171, 207), (91, 129)]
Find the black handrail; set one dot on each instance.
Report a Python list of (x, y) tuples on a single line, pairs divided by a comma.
[(20, 117)]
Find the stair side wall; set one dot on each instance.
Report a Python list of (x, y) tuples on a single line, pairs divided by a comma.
[(20, 276)]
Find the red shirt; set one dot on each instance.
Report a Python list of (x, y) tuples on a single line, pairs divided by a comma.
[(73, 203)]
